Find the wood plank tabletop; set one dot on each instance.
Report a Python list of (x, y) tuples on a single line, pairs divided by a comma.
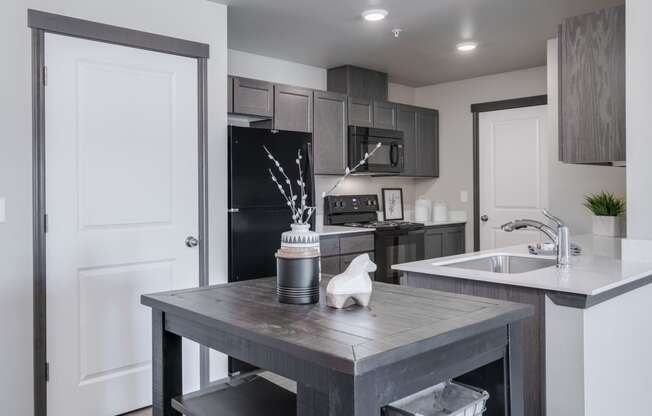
[(399, 323)]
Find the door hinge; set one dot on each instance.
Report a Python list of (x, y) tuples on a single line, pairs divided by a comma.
[(45, 223), (47, 371), (45, 75)]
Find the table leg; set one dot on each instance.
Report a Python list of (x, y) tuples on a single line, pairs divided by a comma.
[(311, 402), (514, 373), (166, 367), (353, 396)]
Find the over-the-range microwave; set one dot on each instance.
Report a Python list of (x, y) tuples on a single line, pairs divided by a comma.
[(388, 158)]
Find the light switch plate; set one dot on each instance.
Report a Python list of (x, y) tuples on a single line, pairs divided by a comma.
[(3, 209), (464, 196)]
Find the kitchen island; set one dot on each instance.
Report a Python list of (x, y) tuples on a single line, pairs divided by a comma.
[(350, 361), (591, 321)]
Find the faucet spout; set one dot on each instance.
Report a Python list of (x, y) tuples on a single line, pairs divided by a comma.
[(561, 237)]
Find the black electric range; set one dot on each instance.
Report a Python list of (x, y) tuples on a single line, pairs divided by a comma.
[(395, 241)]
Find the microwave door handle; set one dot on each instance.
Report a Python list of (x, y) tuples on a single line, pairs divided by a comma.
[(393, 154)]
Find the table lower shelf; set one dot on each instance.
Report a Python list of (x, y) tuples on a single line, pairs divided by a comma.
[(252, 396)]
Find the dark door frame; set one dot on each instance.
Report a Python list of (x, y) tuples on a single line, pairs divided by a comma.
[(476, 109), (40, 24)]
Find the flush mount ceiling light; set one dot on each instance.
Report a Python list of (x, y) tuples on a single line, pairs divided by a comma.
[(374, 15), (466, 46)]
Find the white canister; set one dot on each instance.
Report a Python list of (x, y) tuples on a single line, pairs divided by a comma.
[(440, 212), (422, 210)]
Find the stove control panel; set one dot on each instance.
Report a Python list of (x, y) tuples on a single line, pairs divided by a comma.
[(351, 203)]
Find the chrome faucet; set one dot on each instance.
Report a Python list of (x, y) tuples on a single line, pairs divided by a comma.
[(561, 237)]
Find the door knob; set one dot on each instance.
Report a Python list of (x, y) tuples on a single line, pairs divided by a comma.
[(484, 218), (191, 242)]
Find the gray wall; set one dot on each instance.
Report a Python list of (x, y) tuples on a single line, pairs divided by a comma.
[(197, 20)]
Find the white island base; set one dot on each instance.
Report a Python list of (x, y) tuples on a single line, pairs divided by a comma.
[(599, 360)]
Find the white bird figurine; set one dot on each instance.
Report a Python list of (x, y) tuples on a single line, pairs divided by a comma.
[(354, 283)]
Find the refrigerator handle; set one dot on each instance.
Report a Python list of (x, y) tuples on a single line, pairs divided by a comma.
[(311, 173)]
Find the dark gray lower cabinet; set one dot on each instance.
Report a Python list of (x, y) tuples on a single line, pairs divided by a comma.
[(338, 251), (330, 132), (252, 97), (441, 241), (292, 108)]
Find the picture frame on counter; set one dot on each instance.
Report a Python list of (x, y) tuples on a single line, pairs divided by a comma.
[(392, 204)]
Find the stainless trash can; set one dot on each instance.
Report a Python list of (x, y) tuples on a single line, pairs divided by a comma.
[(444, 399)]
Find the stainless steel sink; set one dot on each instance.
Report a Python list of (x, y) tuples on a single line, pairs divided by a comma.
[(502, 263)]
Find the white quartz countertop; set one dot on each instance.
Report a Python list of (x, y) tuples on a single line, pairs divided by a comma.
[(598, 269), (338, 229)]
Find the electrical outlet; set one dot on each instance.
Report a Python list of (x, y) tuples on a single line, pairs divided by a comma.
[(3, 209), (464, 196)]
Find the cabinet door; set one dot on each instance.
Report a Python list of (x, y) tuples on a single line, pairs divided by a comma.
[(406, 121), (433, 243), (252, 97), (361, 112), (592, 87), (384, 115), (292, 108), (229, 94), (454, 241), (330, 133), (427, 143), (330, 265)]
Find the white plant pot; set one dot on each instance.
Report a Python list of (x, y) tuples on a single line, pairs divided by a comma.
[(606, 226)]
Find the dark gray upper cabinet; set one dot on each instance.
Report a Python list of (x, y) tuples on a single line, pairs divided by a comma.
[(358, 82), (427, 143), (330, 132), (292, 108), (384, 114), (406, 121), (592, 87), (361, 112), (229, 94), (253, 97)]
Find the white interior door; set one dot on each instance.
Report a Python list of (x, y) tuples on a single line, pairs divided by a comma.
[(513, 173), (121, 186)]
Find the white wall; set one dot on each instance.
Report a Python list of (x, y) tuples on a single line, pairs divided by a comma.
[(639, 135), (249, 65), (197, 20), (453, 100), (569, 183)]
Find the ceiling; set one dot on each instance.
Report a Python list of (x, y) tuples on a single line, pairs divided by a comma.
[(328, 33)]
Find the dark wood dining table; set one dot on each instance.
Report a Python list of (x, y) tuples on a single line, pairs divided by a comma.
[(346, 362)]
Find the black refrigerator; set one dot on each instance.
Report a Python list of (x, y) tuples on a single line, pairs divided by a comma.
[(258, 213)]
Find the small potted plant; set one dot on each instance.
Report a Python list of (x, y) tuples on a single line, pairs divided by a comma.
[(606, 209)]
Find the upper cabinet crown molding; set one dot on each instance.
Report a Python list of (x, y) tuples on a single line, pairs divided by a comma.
[(592, 87)]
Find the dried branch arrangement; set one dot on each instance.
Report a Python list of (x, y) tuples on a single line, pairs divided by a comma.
[(301, 212), (348, 171)]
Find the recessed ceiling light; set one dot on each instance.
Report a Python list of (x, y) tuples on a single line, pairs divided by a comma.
[(466, 46), (374, 15)]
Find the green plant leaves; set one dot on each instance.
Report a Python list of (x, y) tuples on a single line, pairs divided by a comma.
[(604, 204)]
